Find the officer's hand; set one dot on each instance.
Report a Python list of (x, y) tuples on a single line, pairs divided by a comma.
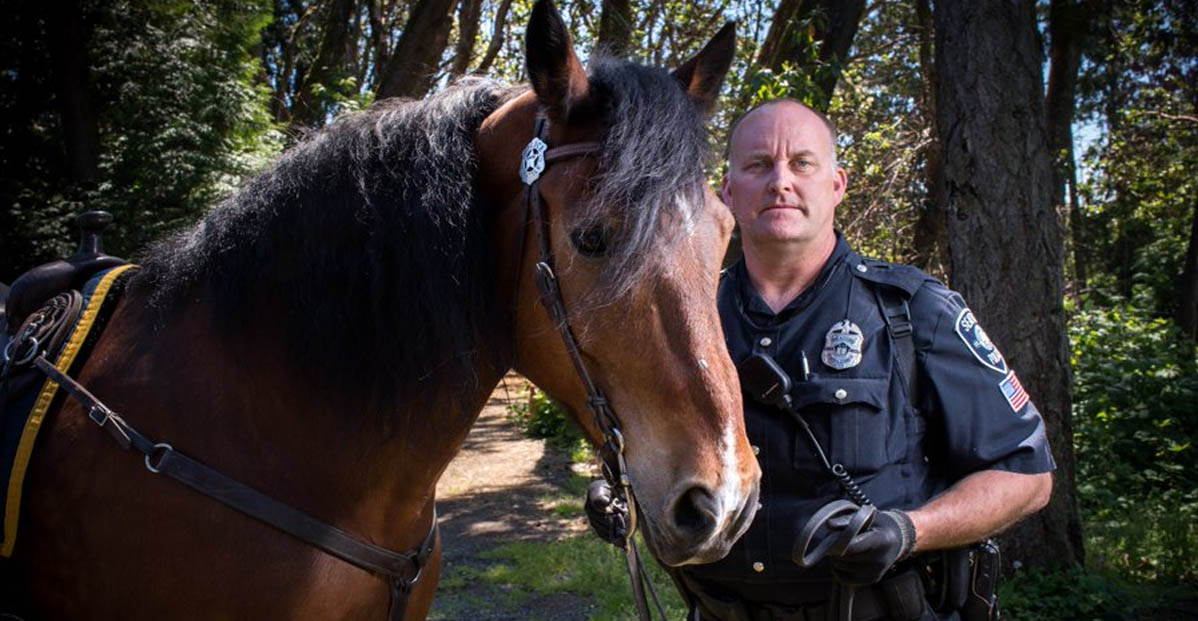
[(874, 551), (608, 516)]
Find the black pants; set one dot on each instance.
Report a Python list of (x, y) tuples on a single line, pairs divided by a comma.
[(898, 598)]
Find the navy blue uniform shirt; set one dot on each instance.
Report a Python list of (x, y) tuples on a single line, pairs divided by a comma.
[(971, 413)]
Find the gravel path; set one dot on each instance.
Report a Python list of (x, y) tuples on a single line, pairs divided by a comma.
[(498, 490)]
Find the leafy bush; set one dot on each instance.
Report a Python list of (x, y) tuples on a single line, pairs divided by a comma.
[(544, 417), (1063, 594), (1135, 390)]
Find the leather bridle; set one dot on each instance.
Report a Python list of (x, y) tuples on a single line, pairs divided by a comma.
[(534, 159)]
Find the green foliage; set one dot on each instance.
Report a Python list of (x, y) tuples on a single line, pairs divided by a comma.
[(175, 105), (545, 418), (1052, 595), (183, 121), (1135, 386), (1139, 97), (1063, 594), (885, 132)]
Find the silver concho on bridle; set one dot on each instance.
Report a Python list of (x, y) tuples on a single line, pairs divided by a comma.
[(842, 345), (532, 161)]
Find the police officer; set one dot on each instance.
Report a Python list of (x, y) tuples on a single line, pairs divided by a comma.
[(891, 372)]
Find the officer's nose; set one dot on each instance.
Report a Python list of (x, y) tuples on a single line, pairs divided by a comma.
[(780, 181)]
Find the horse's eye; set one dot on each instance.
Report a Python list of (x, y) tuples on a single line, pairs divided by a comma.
[(590, 240)]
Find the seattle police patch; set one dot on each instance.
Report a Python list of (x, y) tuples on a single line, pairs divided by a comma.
[(979, 343)]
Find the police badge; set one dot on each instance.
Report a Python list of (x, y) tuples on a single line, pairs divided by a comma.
[(842, 346)]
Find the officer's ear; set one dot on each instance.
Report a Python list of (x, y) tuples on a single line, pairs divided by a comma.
[(724, 191), (841, 183)]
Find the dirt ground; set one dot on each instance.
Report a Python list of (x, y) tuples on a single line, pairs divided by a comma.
[(496, 491)]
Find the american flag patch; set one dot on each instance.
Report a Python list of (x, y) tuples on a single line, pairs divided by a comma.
[(1013, 391)]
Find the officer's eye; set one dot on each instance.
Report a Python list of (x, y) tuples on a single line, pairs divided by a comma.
[(591, 240)]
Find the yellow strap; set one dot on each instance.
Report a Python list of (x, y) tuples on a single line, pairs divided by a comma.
[(40, 407)]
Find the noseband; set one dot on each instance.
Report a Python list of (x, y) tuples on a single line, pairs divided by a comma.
[(534, 159)]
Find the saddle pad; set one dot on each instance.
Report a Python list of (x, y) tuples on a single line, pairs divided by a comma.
[(23, 414)]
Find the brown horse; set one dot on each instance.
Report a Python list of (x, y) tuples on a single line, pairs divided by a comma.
[(329, 335)]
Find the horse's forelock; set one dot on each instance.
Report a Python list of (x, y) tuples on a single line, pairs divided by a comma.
[(651, 169)]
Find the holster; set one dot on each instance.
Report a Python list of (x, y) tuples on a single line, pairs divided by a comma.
[(981, 603)]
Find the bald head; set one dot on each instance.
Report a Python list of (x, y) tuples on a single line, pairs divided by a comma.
[(799, 109)]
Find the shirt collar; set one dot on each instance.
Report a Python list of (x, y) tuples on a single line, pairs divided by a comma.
[(760, 312)]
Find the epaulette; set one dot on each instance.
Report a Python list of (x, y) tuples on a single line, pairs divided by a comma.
[(904, 277)]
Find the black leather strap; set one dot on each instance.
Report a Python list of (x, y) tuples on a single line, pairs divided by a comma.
[(402, 570), (897, 313)]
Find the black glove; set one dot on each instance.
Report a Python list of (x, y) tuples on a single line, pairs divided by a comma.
[(875, 550), (606, 513)]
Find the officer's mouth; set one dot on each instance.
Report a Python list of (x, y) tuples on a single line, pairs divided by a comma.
[(785, 207)]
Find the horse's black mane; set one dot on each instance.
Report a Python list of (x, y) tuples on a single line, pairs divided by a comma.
[(369, 235)]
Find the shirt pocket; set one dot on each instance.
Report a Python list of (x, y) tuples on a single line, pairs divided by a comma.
[(858, 426)]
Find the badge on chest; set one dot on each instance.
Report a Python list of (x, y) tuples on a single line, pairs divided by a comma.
[(843, 345)]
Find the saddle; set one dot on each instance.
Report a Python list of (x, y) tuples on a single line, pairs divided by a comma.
[(33, 288), (43, 316)]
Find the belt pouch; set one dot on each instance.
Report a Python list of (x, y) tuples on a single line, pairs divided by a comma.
[(904, 596)]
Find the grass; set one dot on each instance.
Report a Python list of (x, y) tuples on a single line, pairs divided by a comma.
[(581, 565)]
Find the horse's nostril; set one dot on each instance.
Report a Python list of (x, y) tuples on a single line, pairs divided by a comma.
[(695, 512)]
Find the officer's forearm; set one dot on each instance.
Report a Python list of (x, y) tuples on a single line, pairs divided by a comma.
[(978, 506)]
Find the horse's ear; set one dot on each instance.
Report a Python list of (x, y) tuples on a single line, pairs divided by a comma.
[(553, 69), (702, 76)]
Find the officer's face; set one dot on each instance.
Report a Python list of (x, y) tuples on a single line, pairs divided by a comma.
[(782, 183)]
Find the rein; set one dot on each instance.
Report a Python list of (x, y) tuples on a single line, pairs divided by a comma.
[(401, 570), (535, 157)]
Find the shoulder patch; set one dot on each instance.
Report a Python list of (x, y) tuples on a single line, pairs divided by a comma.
[(978, 342)]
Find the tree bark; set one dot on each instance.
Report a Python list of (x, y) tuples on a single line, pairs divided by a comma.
[(1005, 243), (929, 238), (615, 28), (1187, 311), (329, 66), (70, 65), (834, 25), (1066, 31), (413, 64), (496, 43), (463, 51)]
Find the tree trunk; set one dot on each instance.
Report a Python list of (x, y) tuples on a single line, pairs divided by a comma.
[(1066, 31), (413, 65), (1187, 312), (496, 43), (929, 237), (1005, 243), (328, 68), (468, 14), (70, 69), (615, 28), (834, 25)]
